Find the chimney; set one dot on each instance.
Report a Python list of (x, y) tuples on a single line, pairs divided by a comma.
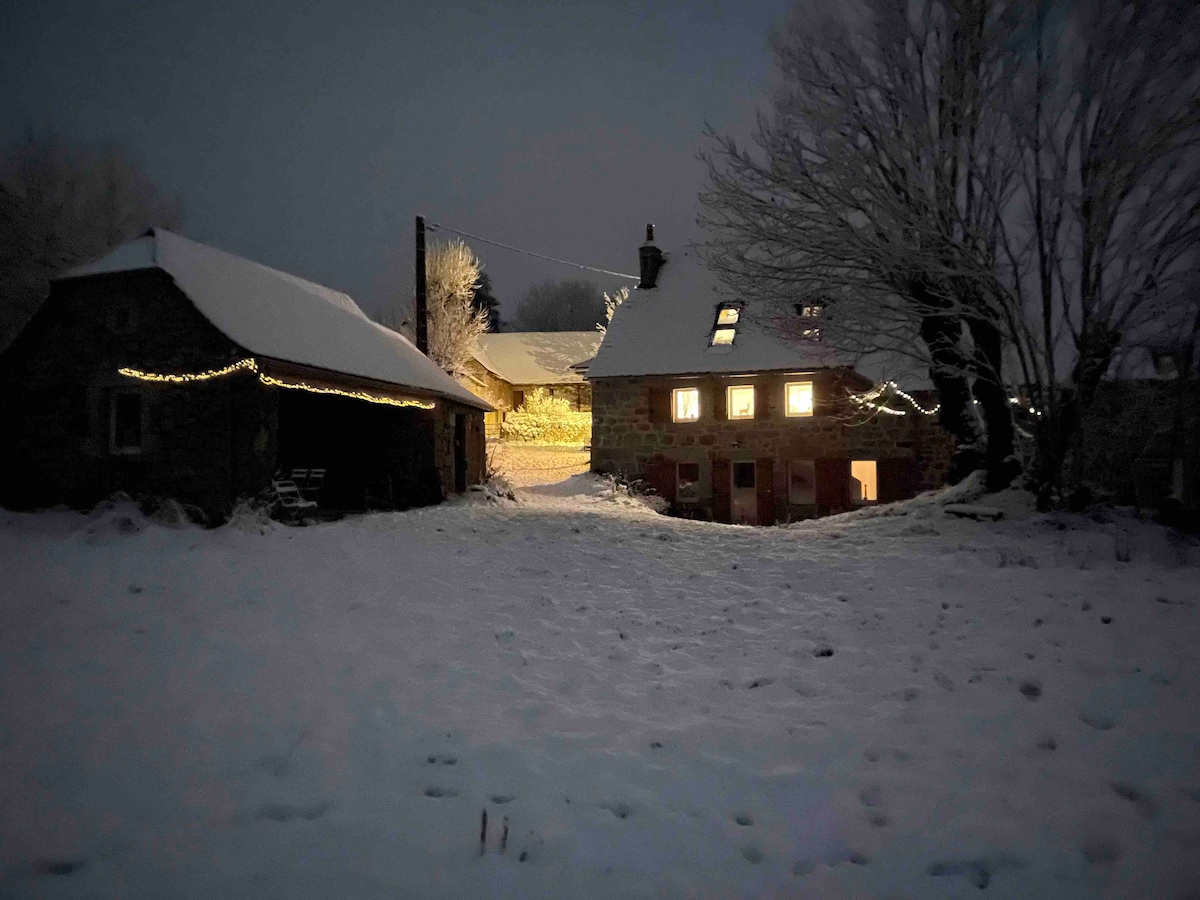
[(651, 259)]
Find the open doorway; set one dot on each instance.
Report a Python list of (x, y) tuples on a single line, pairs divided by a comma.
[(743, 493)]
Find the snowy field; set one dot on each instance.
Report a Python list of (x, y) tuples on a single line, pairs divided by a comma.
[(875, 706)]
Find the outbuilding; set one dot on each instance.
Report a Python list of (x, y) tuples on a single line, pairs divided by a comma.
[(170, 368)]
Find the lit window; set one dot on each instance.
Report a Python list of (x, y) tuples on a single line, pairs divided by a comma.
[(864, 487), (687, 481), (728, 315), (739, 401), (802, 482), (723, 336), (685, 404), (125, 423), (799, 399)]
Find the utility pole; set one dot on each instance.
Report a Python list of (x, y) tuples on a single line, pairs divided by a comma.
[(422, 308)]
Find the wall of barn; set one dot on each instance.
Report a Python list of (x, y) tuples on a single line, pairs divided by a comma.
[(204, 444)]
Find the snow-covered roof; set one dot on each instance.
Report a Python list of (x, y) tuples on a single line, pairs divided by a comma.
[(667, 330), (277, 315), (537, 357)]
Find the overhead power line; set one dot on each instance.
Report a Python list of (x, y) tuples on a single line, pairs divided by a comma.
[(438, 227)]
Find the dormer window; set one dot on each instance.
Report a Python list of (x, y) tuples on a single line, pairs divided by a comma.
[(723, 336), (725, 328)]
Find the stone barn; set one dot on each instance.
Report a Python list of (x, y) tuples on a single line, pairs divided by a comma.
[(169, 368)]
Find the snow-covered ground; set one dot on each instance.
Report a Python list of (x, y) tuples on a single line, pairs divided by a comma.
[(872, 705), (526, 465)]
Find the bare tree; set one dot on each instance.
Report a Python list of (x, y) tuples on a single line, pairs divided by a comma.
[(966, 179), (61, 206), (1099, 244), (864, 195), (571, 305)]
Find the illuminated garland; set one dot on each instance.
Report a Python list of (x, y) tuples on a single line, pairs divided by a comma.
[(337, 392), (187, 378), (251, 365)]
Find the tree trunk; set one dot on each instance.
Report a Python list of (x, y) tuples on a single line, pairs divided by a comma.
[(1000, 454), (947, 371)]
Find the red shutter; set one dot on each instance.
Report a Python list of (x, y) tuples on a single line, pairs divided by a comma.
[(765, 488), (833, 485), (660, 405), (722, 504), (660, 475), (895, 479)]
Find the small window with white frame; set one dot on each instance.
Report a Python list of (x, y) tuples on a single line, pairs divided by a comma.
[(739, 401), (864, 481), (798, 398), (685, 404), (126, 423)]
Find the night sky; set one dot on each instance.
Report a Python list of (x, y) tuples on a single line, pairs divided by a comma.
[(306, 135)]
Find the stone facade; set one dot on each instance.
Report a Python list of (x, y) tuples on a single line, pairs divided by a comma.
[(206, 443), (633, 434)]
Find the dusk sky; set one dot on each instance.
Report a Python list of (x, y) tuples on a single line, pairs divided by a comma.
[(306, 136)]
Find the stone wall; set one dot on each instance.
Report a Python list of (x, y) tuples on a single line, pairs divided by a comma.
[(205, 443), (57, 378), (628, 438)]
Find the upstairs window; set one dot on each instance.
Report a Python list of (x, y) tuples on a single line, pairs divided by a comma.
[(739, 401), (725, 327), (685, 404), (798, 400)]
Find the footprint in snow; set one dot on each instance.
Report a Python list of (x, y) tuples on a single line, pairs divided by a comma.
[(744, 819), (761, 681), (1031, 689), (1128, 792), (445, 759), (501, 799), (752, 853), (440, 793), (620, 810), (286, 812), (57, 866)]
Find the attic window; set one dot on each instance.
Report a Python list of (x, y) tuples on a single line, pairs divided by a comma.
[(723, 337), (724, 330), (812, 310)]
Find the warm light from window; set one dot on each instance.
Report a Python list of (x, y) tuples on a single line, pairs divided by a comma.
[(799, 398), (723, 336), (727, 316), (739, 401), (864, 487), (685, 404)]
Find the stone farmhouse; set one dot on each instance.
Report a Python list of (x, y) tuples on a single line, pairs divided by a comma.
[(507, 366), (169, 368), (695, 392)]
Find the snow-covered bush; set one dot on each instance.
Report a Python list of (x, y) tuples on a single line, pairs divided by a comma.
[(495, 488), (543, 419), (635, 492)]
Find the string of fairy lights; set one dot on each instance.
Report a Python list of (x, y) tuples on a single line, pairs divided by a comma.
[(250, 364), (868, 399)]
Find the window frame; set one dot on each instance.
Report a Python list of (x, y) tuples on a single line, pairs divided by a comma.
[(812, 400), (729, 389), (114, 448), (675, 392)]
